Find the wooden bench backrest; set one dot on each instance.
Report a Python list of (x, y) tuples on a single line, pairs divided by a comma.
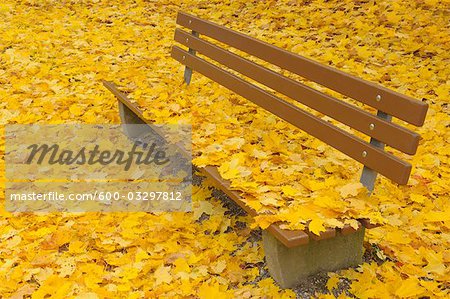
[(378, 127)]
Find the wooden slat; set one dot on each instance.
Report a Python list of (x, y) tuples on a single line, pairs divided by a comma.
[(387, 132), (367, 224), (290, 238), (382, 162), (347, 229), (391, 102), (124, 99)]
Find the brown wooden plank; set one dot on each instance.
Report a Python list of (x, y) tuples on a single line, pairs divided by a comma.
[(290, 238), (367, 224), (369, 155), (224, 185), (327, 234), (379, 97), (384, 131), (347, 229), (124, 99)]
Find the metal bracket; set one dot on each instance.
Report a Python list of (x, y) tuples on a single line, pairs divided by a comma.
[(368, 175), (188, 70)]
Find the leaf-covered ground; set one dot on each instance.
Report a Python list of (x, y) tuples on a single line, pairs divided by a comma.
[(53, 56)]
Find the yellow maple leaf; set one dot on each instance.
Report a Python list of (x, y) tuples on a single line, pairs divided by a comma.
[(331, 222), (212, 291), (203, 207), (289, 191), (181, 265), (353, 223), (162, 275), (332, 282), (76, 246), (409, 288), (87, 295), (418, 198), (351, 189), (218, 267), (316, 226), (75, 109), (141, 255)]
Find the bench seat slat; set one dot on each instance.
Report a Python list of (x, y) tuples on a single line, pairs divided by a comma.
[(374, 158), (387, 132), (392, 103)]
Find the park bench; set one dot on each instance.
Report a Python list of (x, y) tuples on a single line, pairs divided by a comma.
[(293, 255)]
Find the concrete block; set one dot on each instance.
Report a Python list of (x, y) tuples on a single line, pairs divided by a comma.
[(289, 266), (128, 118)]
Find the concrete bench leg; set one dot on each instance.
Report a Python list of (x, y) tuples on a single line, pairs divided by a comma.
[(289, 266), (128, 119)]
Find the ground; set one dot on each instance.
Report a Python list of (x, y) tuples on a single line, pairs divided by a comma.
[(53, 56)]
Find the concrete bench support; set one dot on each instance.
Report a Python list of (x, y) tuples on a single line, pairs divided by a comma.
[(128, 119), (289, 266)]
